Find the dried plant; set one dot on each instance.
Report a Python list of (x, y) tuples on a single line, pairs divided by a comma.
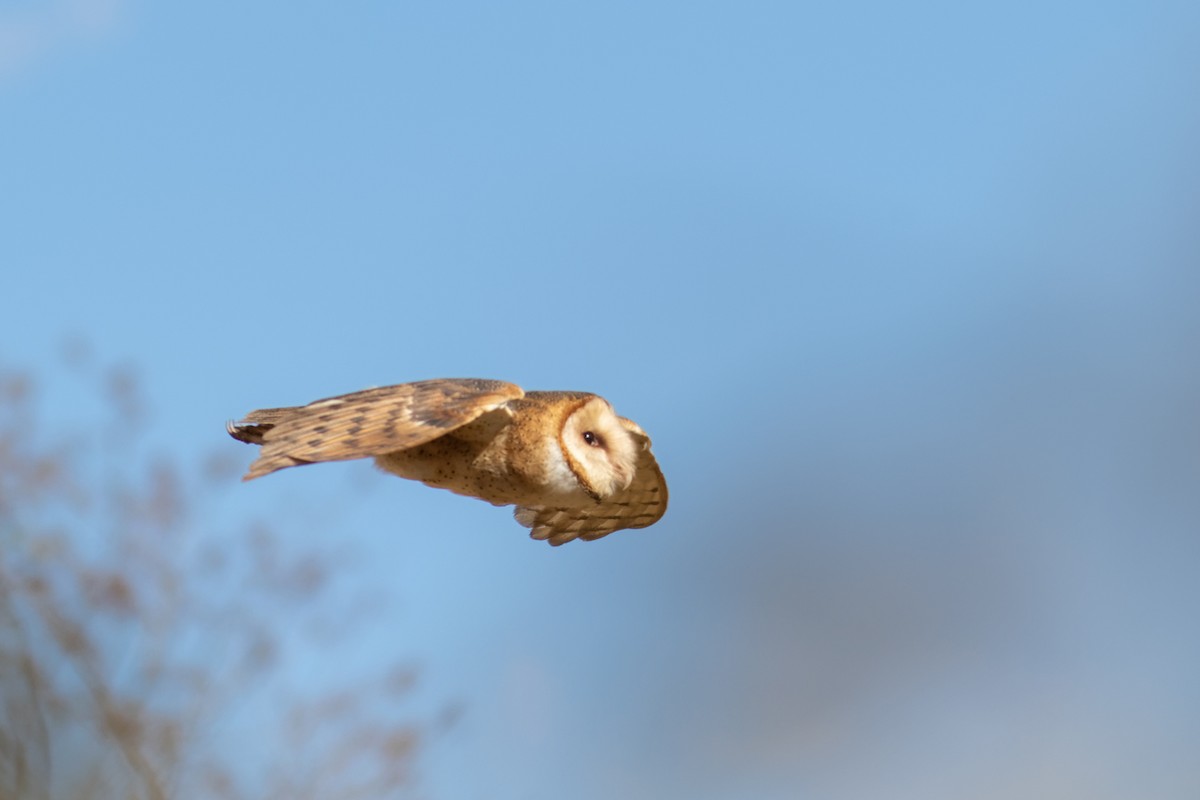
[(135, 641)]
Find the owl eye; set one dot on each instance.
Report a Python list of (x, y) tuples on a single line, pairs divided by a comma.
[(591, 438)]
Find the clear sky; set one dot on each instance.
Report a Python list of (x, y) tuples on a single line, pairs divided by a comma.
[(906, 295)]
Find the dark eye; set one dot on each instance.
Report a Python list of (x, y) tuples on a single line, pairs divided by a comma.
[(591, 438)]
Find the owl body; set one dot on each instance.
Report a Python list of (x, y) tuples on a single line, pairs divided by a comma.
[(573, 468), (515, 460)]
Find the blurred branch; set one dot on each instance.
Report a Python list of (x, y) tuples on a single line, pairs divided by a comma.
[(129, 633)]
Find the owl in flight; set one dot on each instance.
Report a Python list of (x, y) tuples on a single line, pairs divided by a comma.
[(570, 465)]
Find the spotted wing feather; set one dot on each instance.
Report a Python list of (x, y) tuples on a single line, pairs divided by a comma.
[(640, 505), (367, 423)]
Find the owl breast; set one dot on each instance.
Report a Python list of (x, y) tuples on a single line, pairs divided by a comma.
[(490, 471)]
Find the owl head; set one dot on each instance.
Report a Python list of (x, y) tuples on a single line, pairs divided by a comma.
[(598, 448)]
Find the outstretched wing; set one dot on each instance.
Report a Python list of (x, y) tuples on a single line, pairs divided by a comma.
[(367, 423), (642, 504)]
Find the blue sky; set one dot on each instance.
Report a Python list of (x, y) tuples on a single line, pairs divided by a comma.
[(905, 295)]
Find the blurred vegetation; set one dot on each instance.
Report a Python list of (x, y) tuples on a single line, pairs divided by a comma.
[(134, 639)]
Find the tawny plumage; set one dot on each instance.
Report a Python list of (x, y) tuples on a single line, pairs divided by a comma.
[(573, 468)]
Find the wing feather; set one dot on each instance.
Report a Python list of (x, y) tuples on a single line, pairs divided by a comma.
[(367, 423)]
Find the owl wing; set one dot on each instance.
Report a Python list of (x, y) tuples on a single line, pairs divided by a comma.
[(640, 505), (367, 423)]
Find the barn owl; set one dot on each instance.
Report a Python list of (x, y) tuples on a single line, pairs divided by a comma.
[(570, 465)]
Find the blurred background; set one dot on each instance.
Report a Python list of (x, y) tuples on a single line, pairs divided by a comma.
[(905, 294)]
